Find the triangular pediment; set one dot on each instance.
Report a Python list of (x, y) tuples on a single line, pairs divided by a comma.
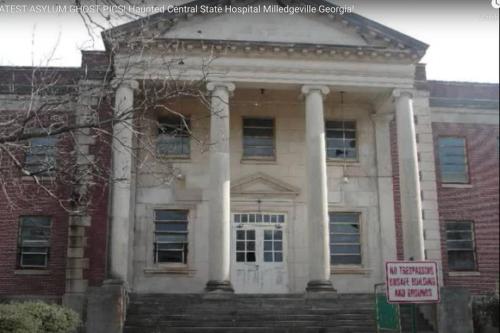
[(269, 27), (347, 30), (261, 184)]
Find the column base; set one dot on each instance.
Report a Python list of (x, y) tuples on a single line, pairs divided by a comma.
[(320, 286), (219, 287)]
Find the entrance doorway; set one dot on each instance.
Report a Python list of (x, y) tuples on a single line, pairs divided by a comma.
[(258, 253)]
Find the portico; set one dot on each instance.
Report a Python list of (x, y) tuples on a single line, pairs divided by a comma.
[(279, 145)]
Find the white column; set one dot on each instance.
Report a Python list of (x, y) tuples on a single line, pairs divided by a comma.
[(220, 198), (385, 185), (411, 202), (317, 190), (122, 209)]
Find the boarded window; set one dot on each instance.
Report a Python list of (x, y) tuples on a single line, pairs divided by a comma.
[(460, 245), (173, 137), (258, 138), (453, 160), (171, 236), (40, 158), (345, 243), (341, 140), (34, 241)]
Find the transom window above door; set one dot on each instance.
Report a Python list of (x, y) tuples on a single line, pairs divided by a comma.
[(259, 218), (258, 138)]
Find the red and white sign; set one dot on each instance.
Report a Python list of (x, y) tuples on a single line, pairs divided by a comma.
[(412, 281)]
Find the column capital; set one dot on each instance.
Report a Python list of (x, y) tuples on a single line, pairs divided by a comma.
[(397, 93), (213, 85), (128, 83), (307, 89)]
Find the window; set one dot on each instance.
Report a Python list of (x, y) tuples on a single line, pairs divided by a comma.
[(173, 137), (34, 241), (245, 246), (40, 157), (259, 218), (460, 245), (453, 160), (345, 243), (273, 246), (170, 236), (341, 140), (258, 138)]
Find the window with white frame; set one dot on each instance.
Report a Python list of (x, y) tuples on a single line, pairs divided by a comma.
[(34, 241), (345, 238), (453, 160), (245, 246), (171, 236), (258, 138), (40, 158), (460, 246), (259, 218), (341, 140), (173, 136), (273, 245)]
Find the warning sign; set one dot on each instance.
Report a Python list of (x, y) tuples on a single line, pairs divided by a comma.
[(412, 281)]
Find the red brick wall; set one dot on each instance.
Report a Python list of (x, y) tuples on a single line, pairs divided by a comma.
[(36, 202), (478, 203)]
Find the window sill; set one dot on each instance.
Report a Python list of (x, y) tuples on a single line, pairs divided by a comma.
[(449, 185), (259, 161), (172, 270), (31, 272), (464, 273), (350, 270), (341, 162)]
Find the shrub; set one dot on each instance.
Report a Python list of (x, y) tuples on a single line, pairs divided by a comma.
[(37, 317), (485, 311)]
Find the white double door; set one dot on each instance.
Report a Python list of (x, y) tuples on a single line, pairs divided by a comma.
[(258, 253)]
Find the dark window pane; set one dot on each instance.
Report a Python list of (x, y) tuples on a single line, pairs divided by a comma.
[(171, 226), (278, 246), (250, 256), (452, 160), (463, 226), (240, 234), (345, 260), (268, 257), (251, 234), (341, 139), (170, 256), (278, 257), (172, 238), (250, 246), (174, 136), (240, 246), (345, 228), (459, 235), (240, 257), (461, 260), (258, 122), (35, 260), (344, 238), (345, 249), (268, 245)]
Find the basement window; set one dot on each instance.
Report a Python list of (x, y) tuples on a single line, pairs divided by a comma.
[(341, 140), (174, 137), (453, 160), (40, 158), (345, 240), (258, 138), (171, 236), (34, 242), (460, 246)]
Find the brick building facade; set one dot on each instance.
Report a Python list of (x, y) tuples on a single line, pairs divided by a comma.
[(414, 172)]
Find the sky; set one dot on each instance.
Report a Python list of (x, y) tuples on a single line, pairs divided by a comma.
[(463, 35)]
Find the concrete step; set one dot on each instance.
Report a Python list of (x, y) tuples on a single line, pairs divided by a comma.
[(249, 313)]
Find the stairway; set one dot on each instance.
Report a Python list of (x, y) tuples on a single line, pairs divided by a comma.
[(175, 313), (423, 326)]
